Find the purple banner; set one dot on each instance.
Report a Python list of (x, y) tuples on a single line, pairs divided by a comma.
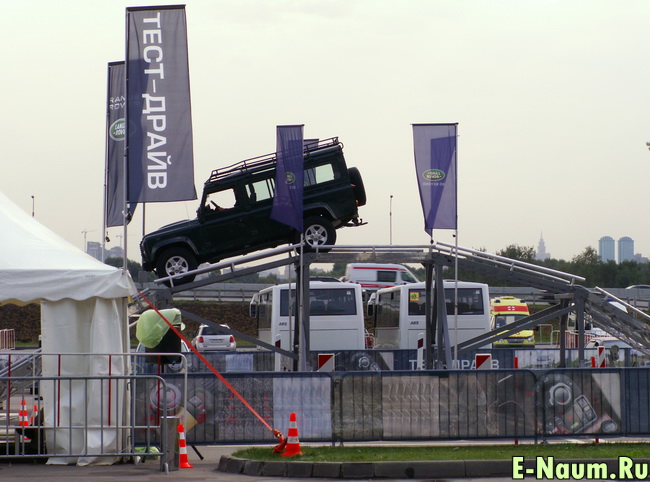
[(289, 177), (115, 134), (435, 165), (158, 120)]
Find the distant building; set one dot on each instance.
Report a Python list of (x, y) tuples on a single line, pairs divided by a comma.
[(625, 249), (607, 249), (94, 249), (541, 253), (115, 252)]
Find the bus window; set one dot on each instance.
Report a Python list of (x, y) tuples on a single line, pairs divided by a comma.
[(470, 301), (322, 302)]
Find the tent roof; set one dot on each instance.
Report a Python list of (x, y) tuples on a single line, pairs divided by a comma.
[(37, 264)]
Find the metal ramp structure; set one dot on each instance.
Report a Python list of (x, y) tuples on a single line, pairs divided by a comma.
[(28, 365), (564, 294)]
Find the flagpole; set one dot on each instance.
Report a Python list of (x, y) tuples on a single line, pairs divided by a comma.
[(106, 136), (455, 362), (302, 362), (125, 172)]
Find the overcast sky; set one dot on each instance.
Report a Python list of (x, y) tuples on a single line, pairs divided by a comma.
[(551, 98)]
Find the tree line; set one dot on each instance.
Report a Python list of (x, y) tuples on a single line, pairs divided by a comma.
[(587, 264)]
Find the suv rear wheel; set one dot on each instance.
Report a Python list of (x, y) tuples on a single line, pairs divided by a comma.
[(318, 232), (176, 261)]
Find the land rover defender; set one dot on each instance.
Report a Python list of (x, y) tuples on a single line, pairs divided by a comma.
[(234, 216)]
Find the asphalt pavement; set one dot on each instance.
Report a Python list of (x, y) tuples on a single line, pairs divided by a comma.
[(219, 457)]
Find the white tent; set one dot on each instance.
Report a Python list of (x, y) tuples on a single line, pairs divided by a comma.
[(83, 310)]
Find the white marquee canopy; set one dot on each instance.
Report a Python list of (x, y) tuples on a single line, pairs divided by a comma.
[(83, 310)]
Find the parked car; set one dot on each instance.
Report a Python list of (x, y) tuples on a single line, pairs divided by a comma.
[(374, 276), (614, 345), (209, 338), (607, 342), (234, 217), (148, 363)]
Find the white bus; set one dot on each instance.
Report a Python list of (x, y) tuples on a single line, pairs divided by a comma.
[(335, 316), (399, 313)]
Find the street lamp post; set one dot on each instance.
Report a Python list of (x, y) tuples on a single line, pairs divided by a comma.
[(390, 220), (32, 205)]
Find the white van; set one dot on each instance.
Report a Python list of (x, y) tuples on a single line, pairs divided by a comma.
[(399, 313), (335, 316), (375, 276)]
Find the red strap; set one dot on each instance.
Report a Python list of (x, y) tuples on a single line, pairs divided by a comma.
[(209, 365)]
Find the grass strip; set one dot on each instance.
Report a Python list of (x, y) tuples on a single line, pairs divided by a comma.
[(376, 453)]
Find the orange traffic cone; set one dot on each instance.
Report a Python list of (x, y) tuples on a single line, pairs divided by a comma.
[(182, 445), (23, 416), (279, 448), (33, 420), (293, 444)]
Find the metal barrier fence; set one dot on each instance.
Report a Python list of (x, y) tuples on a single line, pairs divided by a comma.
[(83, 417), (7, 339), (421, 405), (379, 400), (75, 419)]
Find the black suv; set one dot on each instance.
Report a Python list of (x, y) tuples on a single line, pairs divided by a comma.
[(234, 216)]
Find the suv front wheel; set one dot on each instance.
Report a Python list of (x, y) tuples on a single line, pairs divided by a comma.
[(319, 231), (174, 261)]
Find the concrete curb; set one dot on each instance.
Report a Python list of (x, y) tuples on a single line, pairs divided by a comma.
[(388, 470), (363, 470)]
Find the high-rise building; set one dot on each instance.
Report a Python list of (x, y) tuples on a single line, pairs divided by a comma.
[(541, 253), (607, 249), (625, 249), (94, 249)]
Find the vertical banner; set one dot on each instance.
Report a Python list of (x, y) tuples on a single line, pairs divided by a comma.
[(158, 121), (289, 177), (435, 165), (115, 134)]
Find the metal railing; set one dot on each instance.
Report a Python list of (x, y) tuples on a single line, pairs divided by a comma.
[(378, 397), (83, 417)]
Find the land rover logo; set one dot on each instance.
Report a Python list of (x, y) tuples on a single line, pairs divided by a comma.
[(117, 130), (290, 178), (433, 175)]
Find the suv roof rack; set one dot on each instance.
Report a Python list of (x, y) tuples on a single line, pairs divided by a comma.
[(267, 160)]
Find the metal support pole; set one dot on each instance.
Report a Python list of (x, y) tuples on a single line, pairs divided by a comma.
[(429, 321), (304, 318), (580, 323), (563, 322), (296, 325), (443, 348)]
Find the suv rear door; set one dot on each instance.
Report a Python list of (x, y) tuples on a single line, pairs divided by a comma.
[(260, 191)]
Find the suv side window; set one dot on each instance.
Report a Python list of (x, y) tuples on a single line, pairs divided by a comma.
[(319, 174), (220, 200), (260, 190)]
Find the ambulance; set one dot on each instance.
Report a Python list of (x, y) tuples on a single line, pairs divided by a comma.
[(506, 310)]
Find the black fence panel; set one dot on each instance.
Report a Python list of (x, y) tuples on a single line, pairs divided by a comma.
[(413, 405), (637, 401)]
